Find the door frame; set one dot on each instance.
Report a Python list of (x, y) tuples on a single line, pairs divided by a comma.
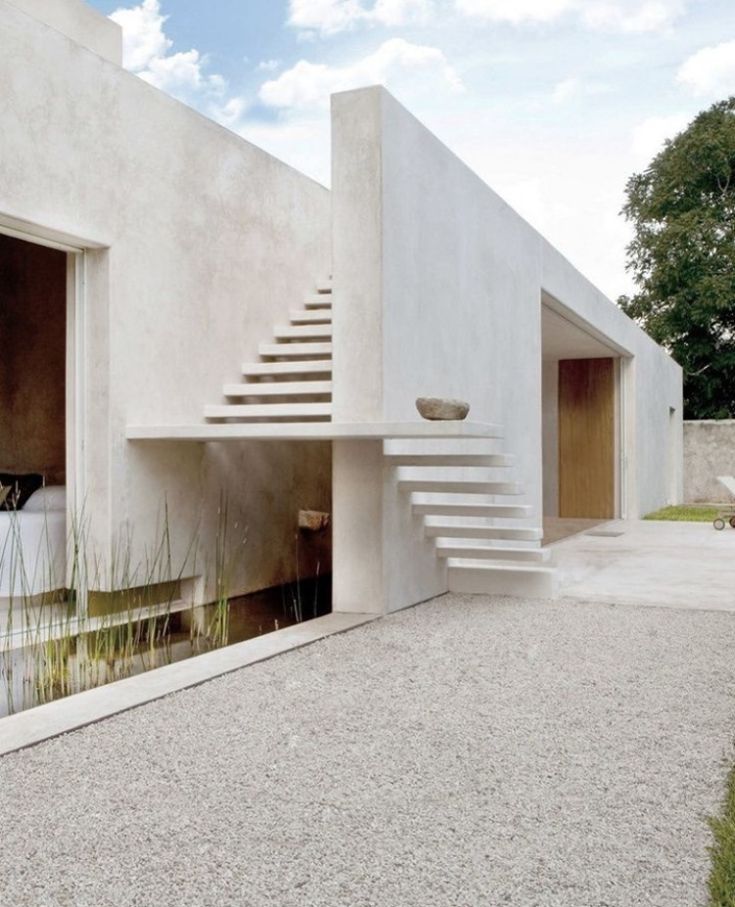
[(74, 419)]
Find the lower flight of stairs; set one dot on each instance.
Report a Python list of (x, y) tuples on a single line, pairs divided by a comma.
[(292, 382), (470, 510)]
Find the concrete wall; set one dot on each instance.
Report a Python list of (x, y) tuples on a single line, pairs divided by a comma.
[(438, 286), (198, 242), (33, 360), (80, 22), (709, 451)]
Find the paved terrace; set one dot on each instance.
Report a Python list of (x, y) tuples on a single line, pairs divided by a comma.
[(465, 752)]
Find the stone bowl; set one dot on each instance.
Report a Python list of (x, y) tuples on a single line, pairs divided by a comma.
[(436, 409)]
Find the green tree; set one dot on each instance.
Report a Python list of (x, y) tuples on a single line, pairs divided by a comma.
[(682, 257)]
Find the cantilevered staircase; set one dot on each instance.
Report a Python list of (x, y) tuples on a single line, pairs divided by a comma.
[(462, 502), (293, 380), (470, 510)]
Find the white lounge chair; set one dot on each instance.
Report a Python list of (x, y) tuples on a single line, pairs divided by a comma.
[(726, 516)]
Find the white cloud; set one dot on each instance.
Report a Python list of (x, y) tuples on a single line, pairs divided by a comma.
[(612, 15), (310, 84), (565, 90), (268, 65), (633, 15), (143, 37), (515, 11), (183, 74), (710, 71), (649, 136), (332, 16), (574, 88)]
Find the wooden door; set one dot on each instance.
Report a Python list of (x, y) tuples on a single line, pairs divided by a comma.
[(587, 438)]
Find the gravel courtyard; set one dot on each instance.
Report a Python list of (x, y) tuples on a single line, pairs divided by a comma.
[(470, 751)]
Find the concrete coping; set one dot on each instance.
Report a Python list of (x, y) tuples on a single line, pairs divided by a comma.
[(46, 721)]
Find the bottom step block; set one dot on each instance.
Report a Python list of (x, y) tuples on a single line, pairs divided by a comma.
[(521, 582)]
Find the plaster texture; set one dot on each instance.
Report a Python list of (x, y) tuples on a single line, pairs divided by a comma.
[(709, 451), (196, 244), (79, 22), (472, 751)]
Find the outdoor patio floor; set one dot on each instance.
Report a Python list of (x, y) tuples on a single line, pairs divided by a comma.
[(648, 562), (470, 751)]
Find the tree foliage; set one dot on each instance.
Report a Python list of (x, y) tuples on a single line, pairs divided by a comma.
[(682, 257)]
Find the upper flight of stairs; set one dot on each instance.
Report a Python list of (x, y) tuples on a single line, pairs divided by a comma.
[(468, 509), (293, 380)]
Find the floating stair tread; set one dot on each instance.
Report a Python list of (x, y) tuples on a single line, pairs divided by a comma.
[(310, 317), (324, 286), (470, 509), (482, 552), (494, 460), (268, 411), (278, 389), (465, 531), (313, 367), (286, 350), (302, 331), (443, 486), (506, 568), (319, 301)]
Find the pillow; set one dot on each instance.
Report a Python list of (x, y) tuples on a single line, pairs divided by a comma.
[(21, 488), (46, 500)]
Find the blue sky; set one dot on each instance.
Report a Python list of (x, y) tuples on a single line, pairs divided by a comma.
[(553, 102)]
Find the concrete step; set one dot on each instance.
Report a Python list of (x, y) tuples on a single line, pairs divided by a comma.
[(489, 552), (273, 369), (460, 486), (418, 459), (318, 301), (295, 350), (512, 511), (278, 389), (526, 580), (311, 317), (302, 331), (292, 411), (474, 531)]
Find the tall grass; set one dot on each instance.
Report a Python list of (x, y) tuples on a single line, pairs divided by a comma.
[(49, 644), (65, 641)]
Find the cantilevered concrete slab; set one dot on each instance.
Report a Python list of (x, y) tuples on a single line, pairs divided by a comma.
[(313, 431)]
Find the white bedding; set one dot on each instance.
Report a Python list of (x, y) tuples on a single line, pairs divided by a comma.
[(33, 546)]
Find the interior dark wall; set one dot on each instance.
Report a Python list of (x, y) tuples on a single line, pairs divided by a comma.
[(32, 359)]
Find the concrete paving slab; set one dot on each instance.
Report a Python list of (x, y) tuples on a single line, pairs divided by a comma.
[(647, 562)]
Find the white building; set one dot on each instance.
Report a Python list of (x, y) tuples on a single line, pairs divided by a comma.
[(169, 248)]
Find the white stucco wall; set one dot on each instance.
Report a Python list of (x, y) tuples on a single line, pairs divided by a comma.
[(80, 22), (205, 242), (438, 286), (709, 451)]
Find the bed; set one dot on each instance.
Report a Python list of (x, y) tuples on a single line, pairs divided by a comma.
[(33, 545)]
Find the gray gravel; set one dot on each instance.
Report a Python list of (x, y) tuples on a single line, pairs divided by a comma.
[(466, 752)]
